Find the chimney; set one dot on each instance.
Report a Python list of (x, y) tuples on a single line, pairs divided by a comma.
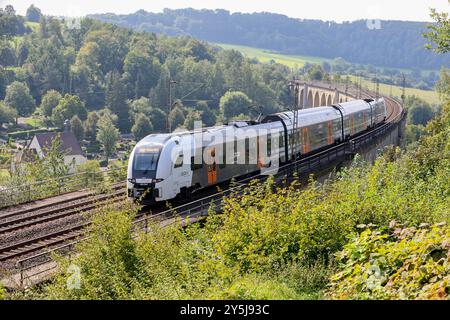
[(67, 125)]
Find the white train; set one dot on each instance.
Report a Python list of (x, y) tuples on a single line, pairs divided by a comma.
[(165, 166)]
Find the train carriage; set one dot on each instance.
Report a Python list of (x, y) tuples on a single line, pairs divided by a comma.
[(165, 166)]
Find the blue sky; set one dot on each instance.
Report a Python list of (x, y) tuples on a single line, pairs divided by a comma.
[(342, 10)]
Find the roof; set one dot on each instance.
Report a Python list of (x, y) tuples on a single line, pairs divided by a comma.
[(69, 146)]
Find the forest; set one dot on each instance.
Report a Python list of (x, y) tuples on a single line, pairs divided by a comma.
[(59, 72), (394, 44)]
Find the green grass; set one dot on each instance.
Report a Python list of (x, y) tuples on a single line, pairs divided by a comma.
[(264, 55), (4, 173), (429, 96), (35, 122), (33, 25)]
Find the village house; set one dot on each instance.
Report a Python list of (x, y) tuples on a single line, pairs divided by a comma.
[(73, 155)]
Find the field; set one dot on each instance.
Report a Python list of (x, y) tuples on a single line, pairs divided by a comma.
[(429, 96), (263, 55), (294, 61)]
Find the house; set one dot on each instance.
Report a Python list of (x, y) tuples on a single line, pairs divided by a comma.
[(73, 155)]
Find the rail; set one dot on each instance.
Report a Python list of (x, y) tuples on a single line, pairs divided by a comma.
[(20, 194)]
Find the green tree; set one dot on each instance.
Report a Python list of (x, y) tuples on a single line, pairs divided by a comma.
[(234, 103), (107, 135), (18, 97), (142, 127), (176, 118), (116, 101), (443, 85), (315, 72), (192, 116), (77, 128), (439, 32), (158, 119), (7, 114), (138, 106), (54, 159), (68, 106), (143, 72), (90, 125), (7, 55), (33, 14), (49, 102), (420, 114)]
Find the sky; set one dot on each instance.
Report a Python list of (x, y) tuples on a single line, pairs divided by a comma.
[(342, 10)]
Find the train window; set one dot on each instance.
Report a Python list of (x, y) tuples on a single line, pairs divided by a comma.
[(195, 166), (269, 144), (179, 161), (247, 150), (281, 141), (224, 156), (235, 157)]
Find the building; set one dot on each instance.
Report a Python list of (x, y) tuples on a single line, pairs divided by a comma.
[(73, 155)]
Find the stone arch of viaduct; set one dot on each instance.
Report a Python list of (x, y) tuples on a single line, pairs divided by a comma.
[(318, 96)]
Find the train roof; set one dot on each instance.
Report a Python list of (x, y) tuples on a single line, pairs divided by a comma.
[(306, 116), (353, 106)]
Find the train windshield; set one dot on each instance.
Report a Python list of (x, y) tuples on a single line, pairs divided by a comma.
[(145, 162)]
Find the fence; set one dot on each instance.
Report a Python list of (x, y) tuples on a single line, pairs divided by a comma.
[(13, 195)]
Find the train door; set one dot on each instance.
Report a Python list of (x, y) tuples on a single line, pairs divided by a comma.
[(212, 167), (305, 140), (330, 139), (352, 124)]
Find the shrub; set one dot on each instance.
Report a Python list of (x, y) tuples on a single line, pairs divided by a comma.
[(405, 263)]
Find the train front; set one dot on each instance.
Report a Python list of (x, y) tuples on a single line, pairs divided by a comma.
[(142, 172)]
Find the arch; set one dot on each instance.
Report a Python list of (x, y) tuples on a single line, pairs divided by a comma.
[(316, 99), (309, 103), (323, 100), (329, 101)]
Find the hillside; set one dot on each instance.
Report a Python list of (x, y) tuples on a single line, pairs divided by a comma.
[(293, 61), (395, 44)]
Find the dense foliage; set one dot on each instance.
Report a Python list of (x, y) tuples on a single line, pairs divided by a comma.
[(404, 263), (61, 71), (394, 44)]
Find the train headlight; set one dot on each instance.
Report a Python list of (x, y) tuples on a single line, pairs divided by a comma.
[(158, 180), (132, 180)]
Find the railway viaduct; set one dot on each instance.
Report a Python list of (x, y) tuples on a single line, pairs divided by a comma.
[(315, 95)]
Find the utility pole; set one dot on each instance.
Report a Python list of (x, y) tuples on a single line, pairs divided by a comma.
[(390, 89), (403, 89), (378, 89), (170, 82), (294, 85)]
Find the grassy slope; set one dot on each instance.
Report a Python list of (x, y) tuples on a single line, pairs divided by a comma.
[(294, 61), (263, 55), (385, 89)]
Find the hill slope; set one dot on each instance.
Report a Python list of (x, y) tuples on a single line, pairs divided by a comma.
[(395, 44)]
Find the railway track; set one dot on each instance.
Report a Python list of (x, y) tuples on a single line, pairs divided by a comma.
[(33, 245), (53, 213), (13, 223)]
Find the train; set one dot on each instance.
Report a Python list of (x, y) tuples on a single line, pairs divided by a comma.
[(166, 166)]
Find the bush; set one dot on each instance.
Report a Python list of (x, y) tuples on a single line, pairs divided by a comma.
[(28, 134), (2, 293), (405, 263)]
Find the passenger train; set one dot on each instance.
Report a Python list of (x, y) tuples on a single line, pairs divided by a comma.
[(166, 166)]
